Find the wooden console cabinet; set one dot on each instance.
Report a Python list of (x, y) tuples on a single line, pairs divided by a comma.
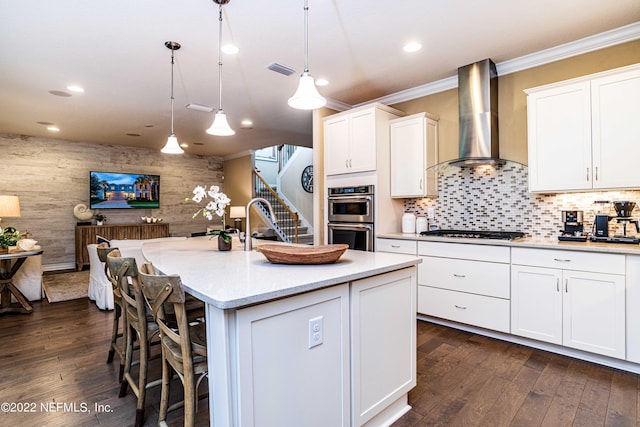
[(86, 234)]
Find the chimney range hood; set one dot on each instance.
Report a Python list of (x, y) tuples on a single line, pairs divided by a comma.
[(478, 111)]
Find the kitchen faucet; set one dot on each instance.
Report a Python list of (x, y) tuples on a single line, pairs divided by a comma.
[(247, 237)]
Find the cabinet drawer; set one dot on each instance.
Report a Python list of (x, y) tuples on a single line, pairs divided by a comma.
[(396, 245), (477, 310), (476, 277), (465, 251), (569, 260)]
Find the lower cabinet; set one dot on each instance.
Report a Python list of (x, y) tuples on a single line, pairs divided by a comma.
[(383, 342), (465, 283), (358, 369), (569, 306)]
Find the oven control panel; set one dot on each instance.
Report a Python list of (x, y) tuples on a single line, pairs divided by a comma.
[(362, 189)]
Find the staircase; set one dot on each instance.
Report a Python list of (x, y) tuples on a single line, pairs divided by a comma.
[(286, 223), (288, 227)]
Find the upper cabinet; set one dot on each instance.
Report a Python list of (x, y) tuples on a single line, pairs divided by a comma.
[(352, 138), (414, 148), (583, 133)]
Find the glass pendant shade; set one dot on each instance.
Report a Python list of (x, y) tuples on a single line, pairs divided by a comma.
[(220, 126), (172, 146), (307, 96)]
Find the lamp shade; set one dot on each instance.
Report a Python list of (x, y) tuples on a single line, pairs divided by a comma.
[(237, 212), (172, 146), (220, 126), (9, 206), (307, 96)]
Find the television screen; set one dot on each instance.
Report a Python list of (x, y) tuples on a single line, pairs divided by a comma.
[(115, 190)]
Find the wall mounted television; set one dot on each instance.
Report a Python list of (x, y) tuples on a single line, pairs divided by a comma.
[(117, 190)]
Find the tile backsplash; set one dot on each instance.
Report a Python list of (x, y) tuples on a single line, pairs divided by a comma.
[(497, 198)]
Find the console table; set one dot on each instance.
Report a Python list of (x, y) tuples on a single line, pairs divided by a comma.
[(10, 263), (86, 234)]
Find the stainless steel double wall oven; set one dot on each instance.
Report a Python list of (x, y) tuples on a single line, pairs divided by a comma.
[(350, 215)]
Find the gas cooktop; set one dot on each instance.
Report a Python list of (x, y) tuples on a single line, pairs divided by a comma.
[(475, 234)]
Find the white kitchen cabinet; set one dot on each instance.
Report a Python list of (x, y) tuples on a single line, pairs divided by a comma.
[(351, 138), (414, 149), (383, 343), (465, 283), (399, 246), (280, 376), (583, 133), (358, 371), (569, 298)]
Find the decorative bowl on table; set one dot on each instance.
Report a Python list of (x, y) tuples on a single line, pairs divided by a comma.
[(302, 254), (26, 244)]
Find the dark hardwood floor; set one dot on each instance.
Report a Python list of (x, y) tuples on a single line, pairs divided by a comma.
[(53, 371), (57, 356), (466, 379)]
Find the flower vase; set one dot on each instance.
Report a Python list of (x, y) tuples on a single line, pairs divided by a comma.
[(222, 245)]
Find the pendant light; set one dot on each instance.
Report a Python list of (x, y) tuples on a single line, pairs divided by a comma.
[(220, 126), (307, 96), (172, 146)]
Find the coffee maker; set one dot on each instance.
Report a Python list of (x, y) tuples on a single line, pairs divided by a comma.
[(623, 216), (573, 230)]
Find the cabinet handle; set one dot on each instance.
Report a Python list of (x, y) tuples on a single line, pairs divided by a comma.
[(562, 260), (346, 163), (421, 183), (459, 306), (566, 285), (395, 246), (459, 275), (557, 284), (587, 174), (350, 163), (596, 173)]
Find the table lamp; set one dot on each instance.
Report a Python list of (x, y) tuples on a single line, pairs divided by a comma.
[(237, 213), (9, 207)]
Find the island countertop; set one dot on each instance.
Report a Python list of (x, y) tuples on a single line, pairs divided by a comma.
[(233, 279)]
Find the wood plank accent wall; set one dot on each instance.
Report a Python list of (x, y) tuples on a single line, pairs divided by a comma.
[(51, 176)]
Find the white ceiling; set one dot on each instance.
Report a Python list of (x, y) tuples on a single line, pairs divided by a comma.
[(115, 50)]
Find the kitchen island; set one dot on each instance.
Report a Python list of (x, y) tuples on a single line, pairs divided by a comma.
[(309, 345)]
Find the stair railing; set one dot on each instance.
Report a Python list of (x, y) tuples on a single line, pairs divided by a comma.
[(263, 189)]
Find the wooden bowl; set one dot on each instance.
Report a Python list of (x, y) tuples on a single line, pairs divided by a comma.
[(289, 254)]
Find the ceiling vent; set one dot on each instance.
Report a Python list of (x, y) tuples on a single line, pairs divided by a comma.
[(282, 69)]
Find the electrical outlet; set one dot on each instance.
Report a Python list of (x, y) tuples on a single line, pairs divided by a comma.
[(431, 213), (315, 331)]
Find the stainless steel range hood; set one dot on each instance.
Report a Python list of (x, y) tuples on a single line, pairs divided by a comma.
[(478, 110)]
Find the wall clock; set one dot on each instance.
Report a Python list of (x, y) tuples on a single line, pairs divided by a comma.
[(307, 179)]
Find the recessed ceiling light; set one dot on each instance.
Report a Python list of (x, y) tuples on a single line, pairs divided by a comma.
[(133, 134), (322, 82), (45, 123), (75, 88), (198, 143), (60, 93), (230, 49), (148, 125), (412, 47), (184, 145), (53, 129), (246, 122)]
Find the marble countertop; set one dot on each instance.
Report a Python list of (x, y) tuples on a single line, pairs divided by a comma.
[(527, 242), (236, 278)]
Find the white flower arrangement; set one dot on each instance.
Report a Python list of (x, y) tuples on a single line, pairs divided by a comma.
[(219, 201)]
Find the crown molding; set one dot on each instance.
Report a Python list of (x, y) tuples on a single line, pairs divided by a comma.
[(599, 41)]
